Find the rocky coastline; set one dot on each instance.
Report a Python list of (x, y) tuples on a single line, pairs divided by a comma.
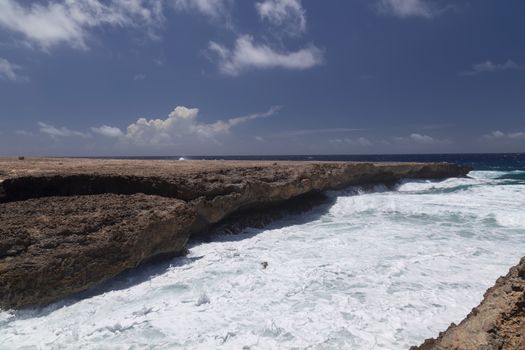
[(497, 323), (70, 224)]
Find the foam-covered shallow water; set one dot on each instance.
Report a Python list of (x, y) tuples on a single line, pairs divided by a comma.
[(375, 269)]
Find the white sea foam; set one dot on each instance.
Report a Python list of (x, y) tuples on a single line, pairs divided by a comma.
[(379, 269)]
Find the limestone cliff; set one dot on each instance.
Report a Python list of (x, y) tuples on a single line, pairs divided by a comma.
[(68, 224)]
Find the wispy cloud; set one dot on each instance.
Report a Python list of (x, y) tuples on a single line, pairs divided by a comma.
[(246, 55), (490, 67), (408, 8), (500, 135), (422, 139), (56, 132), (419, 138), (360, 141), (108, 131), (239, 120), (217, 10), (288, 15), (23, 133), (68, 22), (10, 71), (306, 132)]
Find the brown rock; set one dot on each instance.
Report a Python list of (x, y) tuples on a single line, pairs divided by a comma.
[(52, 247), (497, 323), (69, 224)]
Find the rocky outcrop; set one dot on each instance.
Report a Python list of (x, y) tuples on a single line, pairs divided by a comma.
[(68, 224), (498, 323), (53, 247)]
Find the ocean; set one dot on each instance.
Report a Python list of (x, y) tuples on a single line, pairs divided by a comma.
[(491, 161), (376, 268)]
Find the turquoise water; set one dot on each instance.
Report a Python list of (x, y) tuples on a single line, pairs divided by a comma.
[(375, 269)]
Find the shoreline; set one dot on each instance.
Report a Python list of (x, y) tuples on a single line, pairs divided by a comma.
[(71, 224), (498, 322)]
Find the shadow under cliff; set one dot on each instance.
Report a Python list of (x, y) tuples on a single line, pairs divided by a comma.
[(241, 225)]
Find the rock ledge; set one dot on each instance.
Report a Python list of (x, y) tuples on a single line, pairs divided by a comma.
[(69, 224)]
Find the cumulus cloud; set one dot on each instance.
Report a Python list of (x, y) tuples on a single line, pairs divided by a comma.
[(289, 15), (9, 71), (498, 134), (407, 8), (248, 55), (108, 131), (67, 21), (214, 9), (490, 67), (418, 138), (55, 132), (181, 125)]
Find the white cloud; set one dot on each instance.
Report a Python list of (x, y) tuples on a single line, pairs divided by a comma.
[(108, 131), (55, 132), (214, 9), (489, 67), (248, 55), (422, 140), (68, 21), (9, 70), (361, 141), (498, 134), (286, 14), (305, 132), (517, 135), (181, 125), (407, 8), (418, 138), (139, 76), (23, 133)]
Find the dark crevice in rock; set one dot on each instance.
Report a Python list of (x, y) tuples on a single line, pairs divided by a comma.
[(27, 187), (260, 215)]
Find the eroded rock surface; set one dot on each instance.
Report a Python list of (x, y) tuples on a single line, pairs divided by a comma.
[(68, 224), (498, 323), (52, 247)]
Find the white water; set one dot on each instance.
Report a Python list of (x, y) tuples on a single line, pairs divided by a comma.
[(375, 270)]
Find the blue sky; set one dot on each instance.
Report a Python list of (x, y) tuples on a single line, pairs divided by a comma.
[(232, 77)]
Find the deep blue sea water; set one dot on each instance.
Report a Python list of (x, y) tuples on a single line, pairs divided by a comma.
[(480, 161)]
